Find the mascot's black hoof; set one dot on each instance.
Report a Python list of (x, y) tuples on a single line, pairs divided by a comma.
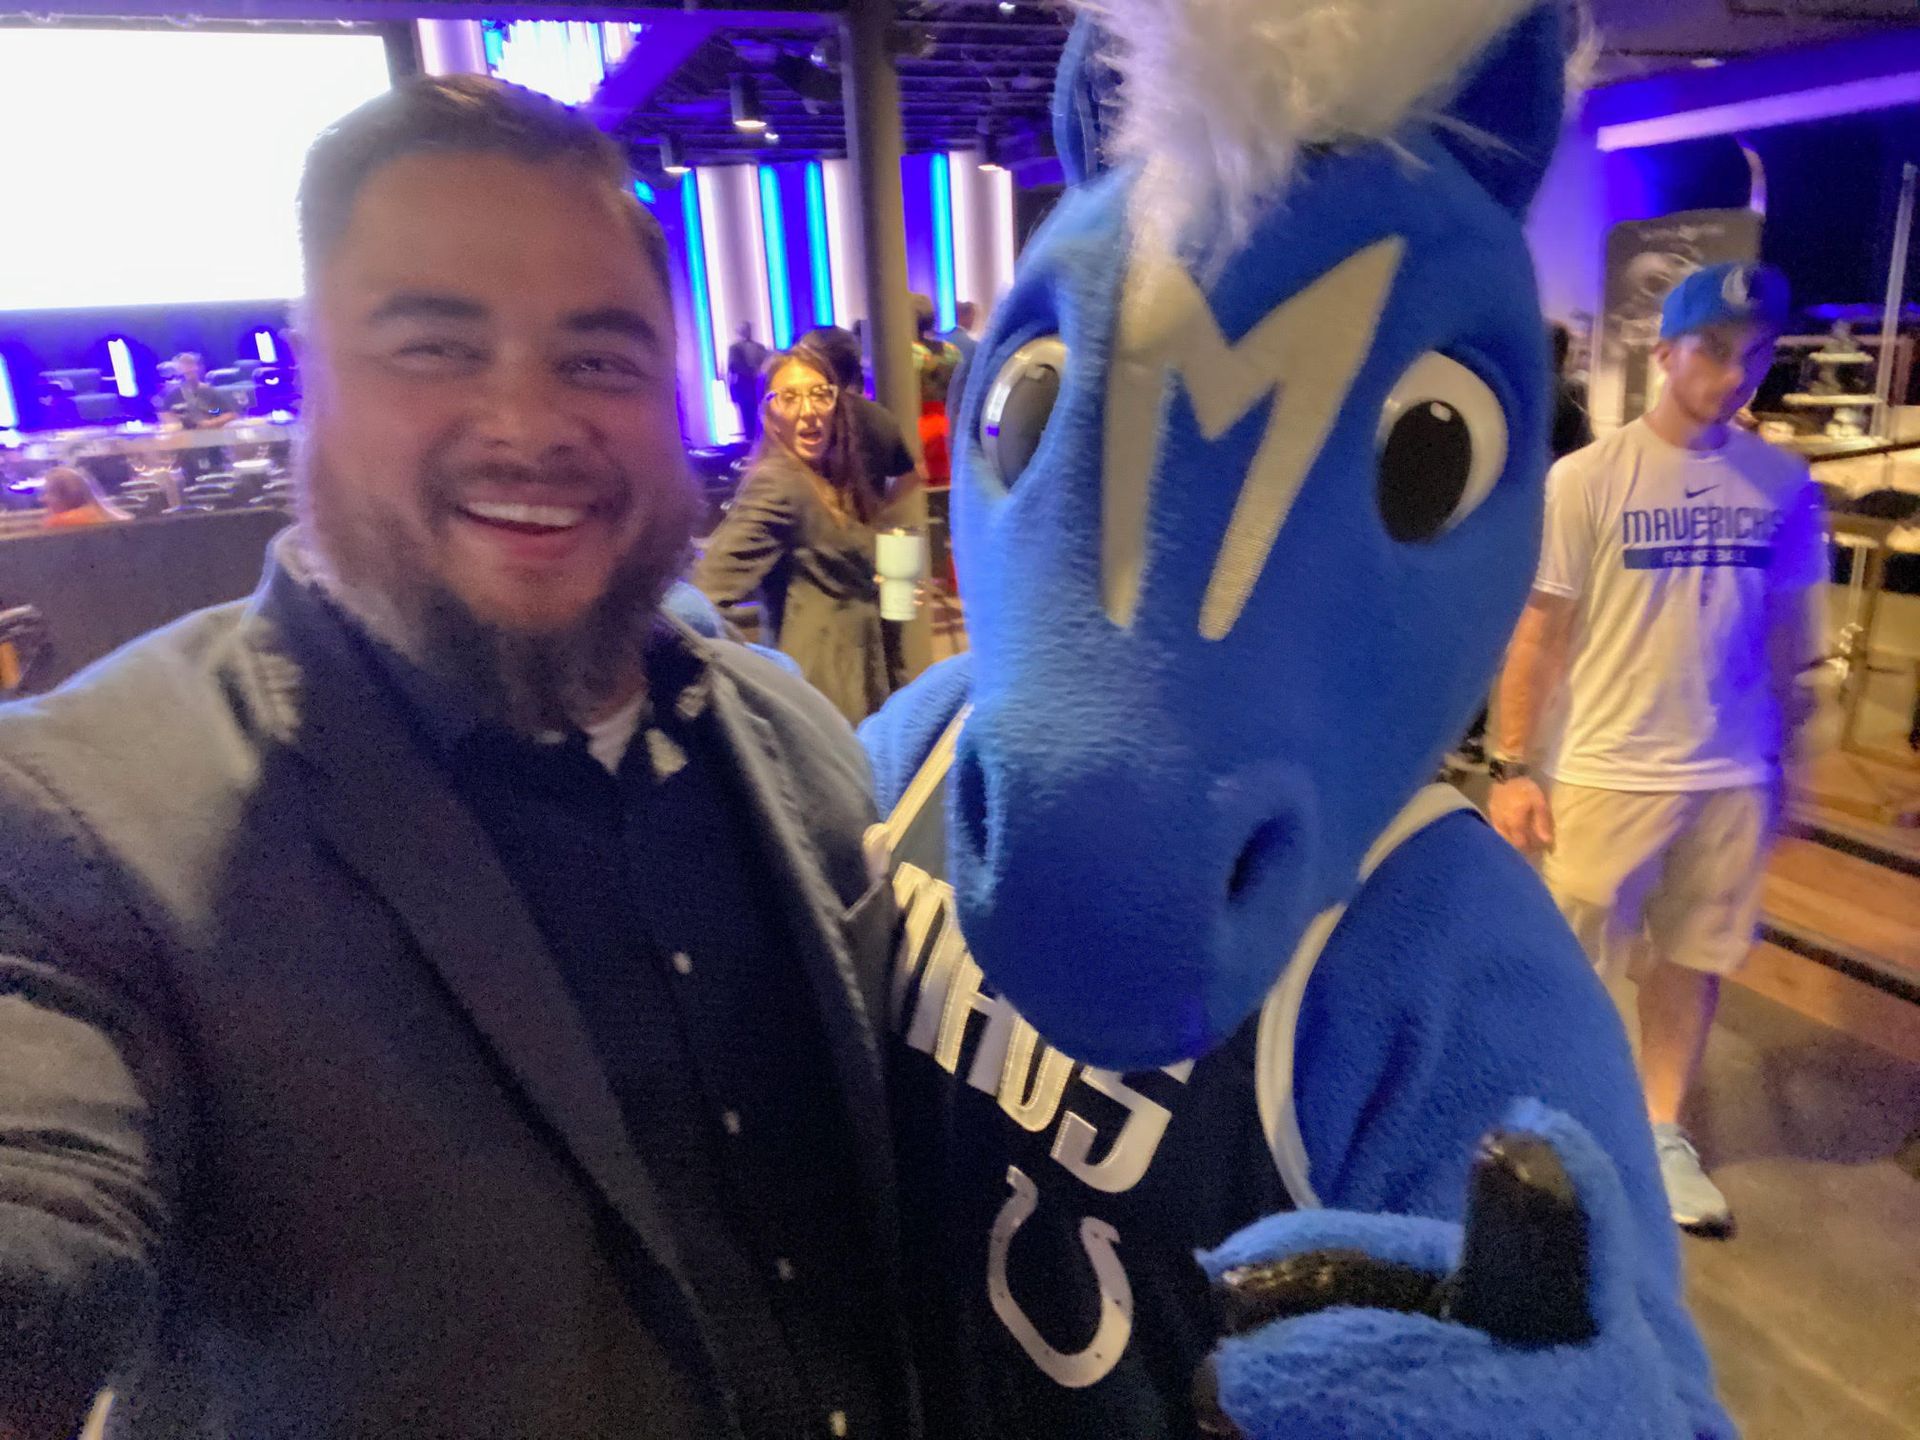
[(1522, 1278), (1523, 1274)]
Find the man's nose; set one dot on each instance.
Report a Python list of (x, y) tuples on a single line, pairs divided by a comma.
[(527, 413)]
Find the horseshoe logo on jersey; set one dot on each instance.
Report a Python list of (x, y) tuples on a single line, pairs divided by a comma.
[(1102, 1244)]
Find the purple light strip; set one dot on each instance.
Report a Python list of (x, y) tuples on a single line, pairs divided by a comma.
[(1823, 102)]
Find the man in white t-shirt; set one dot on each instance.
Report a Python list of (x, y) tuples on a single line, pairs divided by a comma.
[(1654, 684)]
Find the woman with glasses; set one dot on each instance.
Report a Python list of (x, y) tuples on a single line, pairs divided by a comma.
[(800, 536)]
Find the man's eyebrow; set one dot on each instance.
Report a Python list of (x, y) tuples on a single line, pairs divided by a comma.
[(614, 320), (422, 305)]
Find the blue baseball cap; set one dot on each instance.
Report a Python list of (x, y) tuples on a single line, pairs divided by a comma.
[(1736, 294)]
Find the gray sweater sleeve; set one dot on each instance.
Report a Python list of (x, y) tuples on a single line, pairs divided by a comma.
[(89, 1115)]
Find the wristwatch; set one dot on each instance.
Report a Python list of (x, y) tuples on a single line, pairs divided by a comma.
[(1501, 770)]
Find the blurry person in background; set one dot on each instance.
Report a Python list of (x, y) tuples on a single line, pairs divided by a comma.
[(800, 536), (965, 338), (746, 358), (883, 446), (1655, 685), (965, 334), (1572, 430), (432, 998), (190, 400), (935, 362), (72, 500)]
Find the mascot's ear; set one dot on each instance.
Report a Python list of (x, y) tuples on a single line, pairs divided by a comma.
[(1505, 122), (1081, 99)]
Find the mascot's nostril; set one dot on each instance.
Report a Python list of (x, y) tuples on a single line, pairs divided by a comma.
[(970, 802), (1255, 859)]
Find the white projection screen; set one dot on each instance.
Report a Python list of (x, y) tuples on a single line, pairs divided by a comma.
[(149, 167)]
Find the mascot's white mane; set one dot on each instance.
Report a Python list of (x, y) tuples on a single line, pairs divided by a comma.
[(1218, 97)]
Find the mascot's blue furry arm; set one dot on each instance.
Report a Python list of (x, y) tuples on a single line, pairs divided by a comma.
[(1247, 497)]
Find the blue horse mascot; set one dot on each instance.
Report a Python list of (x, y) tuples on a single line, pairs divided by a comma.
[(1247, 498)]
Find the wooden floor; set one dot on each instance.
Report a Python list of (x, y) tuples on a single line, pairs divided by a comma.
[(1808, 1107), (1811, 1311)]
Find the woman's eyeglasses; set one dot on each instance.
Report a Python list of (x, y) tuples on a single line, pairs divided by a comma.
[(792, 403)]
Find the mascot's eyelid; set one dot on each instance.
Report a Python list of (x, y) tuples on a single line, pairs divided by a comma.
[(1016, 414)]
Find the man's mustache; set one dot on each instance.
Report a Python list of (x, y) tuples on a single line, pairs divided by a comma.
[(577, 483)]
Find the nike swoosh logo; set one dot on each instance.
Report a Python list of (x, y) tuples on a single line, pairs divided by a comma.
[(1696, 494)]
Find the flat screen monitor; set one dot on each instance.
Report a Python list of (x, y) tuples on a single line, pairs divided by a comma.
[(158, 166)]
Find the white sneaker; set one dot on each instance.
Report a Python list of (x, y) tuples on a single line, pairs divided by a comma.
[(1696, 1202)]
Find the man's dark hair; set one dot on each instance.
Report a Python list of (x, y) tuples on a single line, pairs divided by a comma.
[(1561, 338), (456, 113), (923, 313), (842, 350)]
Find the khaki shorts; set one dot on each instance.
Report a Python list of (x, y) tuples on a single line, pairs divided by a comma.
[(1671, 876)]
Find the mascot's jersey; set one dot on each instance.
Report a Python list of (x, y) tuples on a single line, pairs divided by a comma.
[(1065, 1201)]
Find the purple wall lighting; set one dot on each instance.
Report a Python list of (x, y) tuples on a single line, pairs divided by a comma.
[(802, 283), (129, 368), (1790, 88), (916, 193), (773, 228), (121, 361), (693, 231), (819, 250), (1674, 142)]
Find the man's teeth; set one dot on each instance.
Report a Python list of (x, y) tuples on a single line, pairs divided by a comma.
[(551, 517)]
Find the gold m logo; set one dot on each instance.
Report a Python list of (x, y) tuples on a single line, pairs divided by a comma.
[(1305, 353)]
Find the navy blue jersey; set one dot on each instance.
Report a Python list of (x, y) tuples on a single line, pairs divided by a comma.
[(1063, 1202)]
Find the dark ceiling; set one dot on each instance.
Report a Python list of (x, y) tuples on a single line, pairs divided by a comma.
[(968, 66), (1643, 36), (963, 64)]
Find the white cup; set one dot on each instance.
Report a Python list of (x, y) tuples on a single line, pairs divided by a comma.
[(900, 559)]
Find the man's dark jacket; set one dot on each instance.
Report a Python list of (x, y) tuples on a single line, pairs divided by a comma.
[(294, 1104)]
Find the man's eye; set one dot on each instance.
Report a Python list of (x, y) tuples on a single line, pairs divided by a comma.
[(605, 372), (438, 352)]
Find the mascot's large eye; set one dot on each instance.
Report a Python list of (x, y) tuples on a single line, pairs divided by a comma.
[(1443, 443), (1020, 403)]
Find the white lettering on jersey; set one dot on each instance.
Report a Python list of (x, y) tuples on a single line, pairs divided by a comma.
[(1030, 1079), (1126, 1163), (1101, 1241), (951, 996)]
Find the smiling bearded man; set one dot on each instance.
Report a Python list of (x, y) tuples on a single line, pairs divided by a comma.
[(492, 480), (435, 994)]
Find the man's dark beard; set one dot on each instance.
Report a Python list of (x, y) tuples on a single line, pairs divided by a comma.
[(531, 683)]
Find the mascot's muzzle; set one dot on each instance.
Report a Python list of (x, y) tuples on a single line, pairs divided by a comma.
[(1183, 895)]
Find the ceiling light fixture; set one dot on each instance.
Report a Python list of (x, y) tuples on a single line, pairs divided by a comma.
[(747, 114), (671, 159)]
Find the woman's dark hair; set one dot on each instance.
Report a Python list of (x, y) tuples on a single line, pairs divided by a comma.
[(842, 349), (841, 480), (923, 315)]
